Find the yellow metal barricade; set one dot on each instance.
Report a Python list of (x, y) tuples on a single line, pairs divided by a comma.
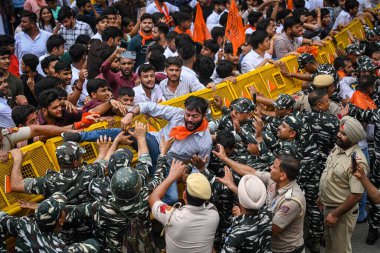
[(246, 80), (35, 163)]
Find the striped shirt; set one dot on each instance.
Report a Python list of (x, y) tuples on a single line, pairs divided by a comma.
[(186, 85), (199, 143)]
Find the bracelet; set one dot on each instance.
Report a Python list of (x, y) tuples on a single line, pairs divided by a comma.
[(76, 87), (109, 101)]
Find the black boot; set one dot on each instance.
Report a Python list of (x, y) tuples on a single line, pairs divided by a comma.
[(373, 235), (313, 244)]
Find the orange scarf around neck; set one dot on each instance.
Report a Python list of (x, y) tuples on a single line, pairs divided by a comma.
[(363, 101), (188, 32), (165, 11), (145, 37), (341, 73), (180, 132)]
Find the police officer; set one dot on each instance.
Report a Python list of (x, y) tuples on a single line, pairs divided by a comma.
[(40, 232), (126, 214), (340, 191)]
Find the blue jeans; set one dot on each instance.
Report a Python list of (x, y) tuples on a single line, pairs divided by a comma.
[(171, 196), (362, 204)]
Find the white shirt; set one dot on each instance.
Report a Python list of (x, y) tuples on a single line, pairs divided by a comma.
[(252, 60), (364, 4), (169, 53), (314, 4), (345, 87), (185, 86), (39, 67), (5, 114), (140, 95), (342, 20), (152, 8), (97, 36), (84, 93), (249, 30), (188, 73), (192, 228)]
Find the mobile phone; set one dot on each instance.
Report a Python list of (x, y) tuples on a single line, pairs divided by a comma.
[(353, 162)]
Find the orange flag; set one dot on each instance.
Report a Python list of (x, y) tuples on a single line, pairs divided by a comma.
[(201, 32), (290, 5), (235, 32)]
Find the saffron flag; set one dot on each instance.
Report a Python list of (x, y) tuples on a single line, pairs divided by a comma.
[(290, 5), (235, 30), (201, 32)]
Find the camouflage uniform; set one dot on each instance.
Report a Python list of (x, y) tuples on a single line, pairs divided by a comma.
[(242, 105), (113, 218), (371, 116), (354, 49), (73, 182), (35, 233), (242, 238)]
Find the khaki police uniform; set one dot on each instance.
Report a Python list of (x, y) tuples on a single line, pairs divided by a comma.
[(288, 207), (336, 184), (302, 104), (188, 228)]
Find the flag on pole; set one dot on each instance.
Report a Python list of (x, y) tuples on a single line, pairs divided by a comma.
[(201, 32), (235, 32)]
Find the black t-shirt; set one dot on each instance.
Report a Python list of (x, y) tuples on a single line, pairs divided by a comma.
[(27, 92)]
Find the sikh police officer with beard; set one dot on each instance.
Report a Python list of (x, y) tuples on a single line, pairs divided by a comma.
[(40, 232), (126, 214)]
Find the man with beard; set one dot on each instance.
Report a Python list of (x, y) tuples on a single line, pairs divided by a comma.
[(71, 28), (339, 190), (140, 42), (176, 85), (213, 18), (85, 8), (163, 7), (188, 128), (31, 40), (125, 77), (288, 40), (148, 91), (159, 33)]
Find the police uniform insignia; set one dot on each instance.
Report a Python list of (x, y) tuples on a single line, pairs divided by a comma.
[(285, 209)]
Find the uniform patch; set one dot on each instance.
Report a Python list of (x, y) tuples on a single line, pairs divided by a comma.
[(285, 209), (164, 208)]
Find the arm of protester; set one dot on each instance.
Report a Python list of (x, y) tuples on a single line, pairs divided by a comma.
[(17, 180), (228, 180), (78, 87), (372, 191), (105, 69), (139, 134), (285, 72), (259, 98), (104, 144), (239, 168), (108, 105)]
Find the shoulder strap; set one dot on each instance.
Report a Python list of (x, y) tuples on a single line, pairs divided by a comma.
[(288, 197)]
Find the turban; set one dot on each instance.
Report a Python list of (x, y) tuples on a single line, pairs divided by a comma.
[(353, 129), (251, 192)]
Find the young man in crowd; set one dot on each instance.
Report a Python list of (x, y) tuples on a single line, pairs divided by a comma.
[(148, 91)]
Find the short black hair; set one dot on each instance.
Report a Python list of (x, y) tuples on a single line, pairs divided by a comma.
[(81, 3), (181, 17), (171, 36), (100, 18), (324, 12), (94, 84), (351, 4), (212, 45), (223, 19), (126, 91), (282, 14), (31, 61), (112, 32), (224, 69), (47, 97), (145, 68), (196, 103), (53, 41), (49, 82), (156, 17), (299, 4), (65, 12), (289, 165), (62, 66), (290, 22), (204, 66), (21, 112), (316, 96), (47, 60), (175, 60), (183, 39), (340, 62), (263, 24), (109, 10), (186, 52), (157, 60), (217, 32), (146, 16), (225, 138), (83, 39), (257, 38), (5, 51), (76, 52), (163, 28), (31, 15), (365, 82), (7, 40), (254, 17)]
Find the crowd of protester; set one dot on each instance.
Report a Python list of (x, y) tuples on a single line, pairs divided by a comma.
[(246, 182)]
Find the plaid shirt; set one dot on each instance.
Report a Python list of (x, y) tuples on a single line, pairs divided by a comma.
[(70, 35)]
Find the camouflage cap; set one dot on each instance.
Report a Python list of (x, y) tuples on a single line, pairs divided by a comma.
[(365, 64), (284, 101), (126, 184), (88, 246), (353, 49), (294, 122), (304, 59), (244, 105), (371, 32), (250, 138), (49, 210), (327, 69), (68, 152), (121, 158)]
